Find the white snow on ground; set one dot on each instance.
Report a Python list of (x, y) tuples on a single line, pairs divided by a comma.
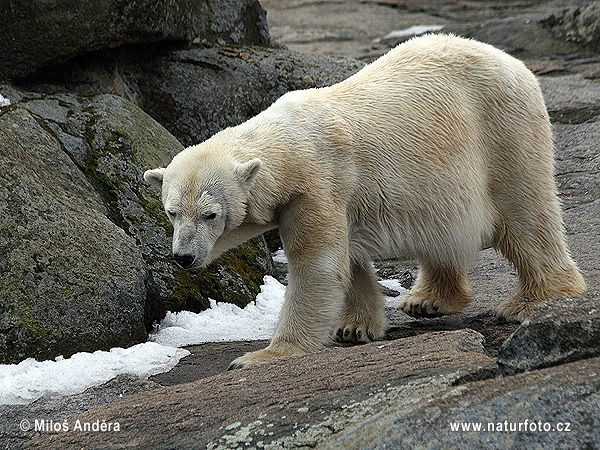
[(393, 284), (224, 321), (4, 101), (279, 257), (416, 30), (29, 380)]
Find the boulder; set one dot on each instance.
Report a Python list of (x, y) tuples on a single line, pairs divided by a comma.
[(92, 269), (557, 407), (580, 24), (39, 33), (560, 330), (71, 279), (196, 92)]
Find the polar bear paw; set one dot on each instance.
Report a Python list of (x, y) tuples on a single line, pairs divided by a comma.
[(419, 305), (516, 309), (362, 331), (264, 356)]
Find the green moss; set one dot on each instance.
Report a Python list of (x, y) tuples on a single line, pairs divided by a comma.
[(28, 339), (133, 219), (154, 209), (244, 261), (193, 289)]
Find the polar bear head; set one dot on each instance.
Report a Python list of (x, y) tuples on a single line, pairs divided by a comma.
[(204, 194)]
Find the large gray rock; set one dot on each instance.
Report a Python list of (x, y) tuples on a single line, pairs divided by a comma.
[(196, 92), (99, 146), (39, 33), (580, 24), (71, 279), (555, 408), (559, 331)]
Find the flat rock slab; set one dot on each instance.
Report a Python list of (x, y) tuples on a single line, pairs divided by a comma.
[(283, 399), (206, 360), (541, 403)]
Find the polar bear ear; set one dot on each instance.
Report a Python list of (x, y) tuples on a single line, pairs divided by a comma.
[(155, 177), (247, 172)]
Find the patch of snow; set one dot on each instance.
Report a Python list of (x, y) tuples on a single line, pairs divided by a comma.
[(225, 321), (29, 380), (416, 30), (393, 284), (4, 101), (279, 257)]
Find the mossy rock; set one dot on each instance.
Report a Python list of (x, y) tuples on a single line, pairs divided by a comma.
[(71, 279), (93, 269)]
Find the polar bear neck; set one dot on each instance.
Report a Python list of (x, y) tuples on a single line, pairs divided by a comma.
[(294, 138)]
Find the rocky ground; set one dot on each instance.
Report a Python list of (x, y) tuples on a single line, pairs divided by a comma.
[(410, 389)]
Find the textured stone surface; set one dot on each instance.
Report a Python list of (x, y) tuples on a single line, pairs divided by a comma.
[(40, 33), (58, 409), (196, 92), (559, 331), (567, 396), (580, 24), (358, 28), (71, 280), (281, 399)]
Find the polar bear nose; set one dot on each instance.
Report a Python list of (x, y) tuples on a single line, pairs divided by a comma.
[(184, 261)]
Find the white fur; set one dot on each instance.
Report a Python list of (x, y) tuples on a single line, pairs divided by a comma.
[(435, 150)]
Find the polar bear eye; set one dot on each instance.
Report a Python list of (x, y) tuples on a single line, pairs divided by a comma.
[(171, 214), (211, 216)]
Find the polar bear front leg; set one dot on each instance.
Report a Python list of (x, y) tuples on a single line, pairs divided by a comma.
[(316, 244), (363, 318)]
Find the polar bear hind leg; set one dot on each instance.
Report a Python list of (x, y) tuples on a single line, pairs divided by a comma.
[(533, 241), (439, 290), (529, 229)]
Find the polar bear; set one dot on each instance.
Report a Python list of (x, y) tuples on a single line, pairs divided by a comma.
[(439, 148)]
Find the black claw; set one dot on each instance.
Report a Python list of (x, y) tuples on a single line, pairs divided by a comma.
[(234, 366), (371, 335), (338, 333), (359, 335), (346, 333)]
